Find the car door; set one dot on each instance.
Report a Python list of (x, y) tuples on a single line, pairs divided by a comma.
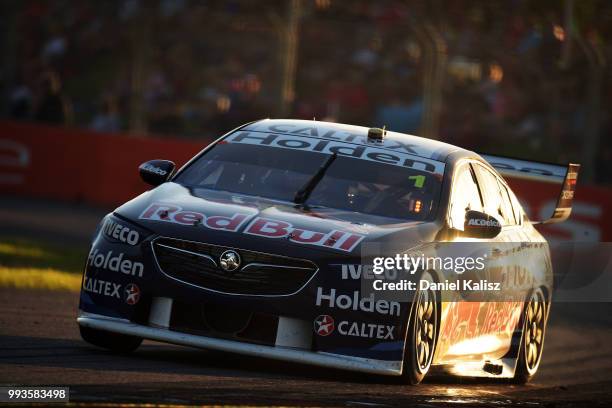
[(507, 263), (475, 327), (463, 330)]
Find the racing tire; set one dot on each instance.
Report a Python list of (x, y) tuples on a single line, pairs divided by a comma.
[(532, 341), (422, 335), (118, 343)]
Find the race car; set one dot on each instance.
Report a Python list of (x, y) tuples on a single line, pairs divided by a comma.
[(258, 246)]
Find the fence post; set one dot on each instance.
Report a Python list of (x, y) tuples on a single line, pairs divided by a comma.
[(289, 42)]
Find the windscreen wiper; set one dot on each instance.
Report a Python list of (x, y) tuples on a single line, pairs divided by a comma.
[(303, 193)]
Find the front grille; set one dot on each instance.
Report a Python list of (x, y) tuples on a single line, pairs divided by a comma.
[(259, 274), (224, 322)]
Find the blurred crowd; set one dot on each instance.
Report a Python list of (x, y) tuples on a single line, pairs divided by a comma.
[(522, 78)]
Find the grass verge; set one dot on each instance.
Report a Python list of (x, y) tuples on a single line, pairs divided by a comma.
[(36, 265)]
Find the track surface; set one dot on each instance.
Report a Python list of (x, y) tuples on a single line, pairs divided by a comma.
[(40, 344)]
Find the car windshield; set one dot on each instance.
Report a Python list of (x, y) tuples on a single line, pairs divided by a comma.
[(348, 184)]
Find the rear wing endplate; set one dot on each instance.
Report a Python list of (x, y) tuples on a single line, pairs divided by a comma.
[(565, 176)]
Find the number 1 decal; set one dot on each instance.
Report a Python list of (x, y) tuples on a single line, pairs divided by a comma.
[(419, 181)]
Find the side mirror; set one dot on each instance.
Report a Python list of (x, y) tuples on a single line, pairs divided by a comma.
[(480, 225), (156, 172)]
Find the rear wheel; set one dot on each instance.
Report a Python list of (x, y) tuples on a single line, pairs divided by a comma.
[(119, 343), (422, 335), (532, 343)]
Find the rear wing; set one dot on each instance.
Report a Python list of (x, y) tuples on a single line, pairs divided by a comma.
[(565, 176)]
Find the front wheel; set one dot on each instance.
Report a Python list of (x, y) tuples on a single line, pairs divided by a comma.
[(422, 335), (119, 343), (532, 343)]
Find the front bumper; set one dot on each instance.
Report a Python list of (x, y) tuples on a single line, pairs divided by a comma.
[(323, 359)]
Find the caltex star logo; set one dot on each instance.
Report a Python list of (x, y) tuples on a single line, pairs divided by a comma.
[(324, 325), (132, 294)]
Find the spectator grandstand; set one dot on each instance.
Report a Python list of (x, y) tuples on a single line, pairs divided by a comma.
[(520, 78)]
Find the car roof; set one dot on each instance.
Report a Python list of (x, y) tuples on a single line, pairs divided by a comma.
[(415, 145)]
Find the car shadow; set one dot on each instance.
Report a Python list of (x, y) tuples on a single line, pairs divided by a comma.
[(160, 358)]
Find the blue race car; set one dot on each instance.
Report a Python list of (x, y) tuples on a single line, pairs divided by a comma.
[(255, 247)]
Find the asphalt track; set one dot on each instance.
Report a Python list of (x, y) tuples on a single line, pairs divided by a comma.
[(40, 345)]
